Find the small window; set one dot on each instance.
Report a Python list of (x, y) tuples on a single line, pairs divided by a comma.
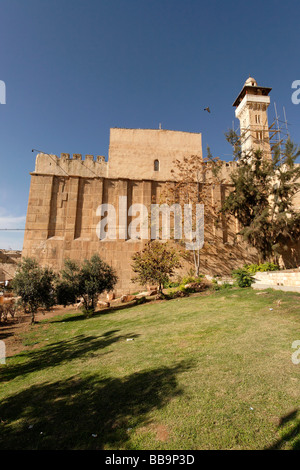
[(156, 165)]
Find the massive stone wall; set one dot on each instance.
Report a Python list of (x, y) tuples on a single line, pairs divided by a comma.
[(62, 220)]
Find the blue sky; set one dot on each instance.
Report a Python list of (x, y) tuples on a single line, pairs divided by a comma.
[(75, 68)]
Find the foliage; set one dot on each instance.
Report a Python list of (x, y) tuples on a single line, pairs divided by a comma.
[(243, 277), (88, 280), (35, 285), (192, 279), (168, 284), (220, 286), (67, 287), (140, 301), (262, 198), (193, 177), (263, 267), (156, 263)]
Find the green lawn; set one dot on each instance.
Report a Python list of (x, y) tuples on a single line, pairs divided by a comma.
[(204, 372)]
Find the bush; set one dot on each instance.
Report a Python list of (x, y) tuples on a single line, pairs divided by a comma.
[(243, 277), (182, 292), (192, 279), (254, 268), (168, 284), (226, 285), (185, 290), (220, 286), (215, 285)]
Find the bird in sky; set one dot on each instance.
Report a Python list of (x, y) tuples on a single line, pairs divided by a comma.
[(207, 109)]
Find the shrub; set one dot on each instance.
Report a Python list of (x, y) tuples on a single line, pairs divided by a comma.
[(185, 290), (226, 285), (243, 277), (215, 285), (220, 285), (177, 293), (168, 284), (254, 268), (192, 279)]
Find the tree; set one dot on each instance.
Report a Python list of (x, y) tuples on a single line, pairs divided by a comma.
[(67, 286), (194, 177), (155, 264), (88, 280), (262, 198), (35, 285)]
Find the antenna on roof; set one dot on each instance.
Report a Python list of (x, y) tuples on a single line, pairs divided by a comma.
[(278, 128), (285, 121)]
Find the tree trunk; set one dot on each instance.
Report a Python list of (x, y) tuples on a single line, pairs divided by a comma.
[(197, 262)]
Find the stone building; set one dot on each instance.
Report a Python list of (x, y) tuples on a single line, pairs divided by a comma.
[(9, 260), (65, 194)]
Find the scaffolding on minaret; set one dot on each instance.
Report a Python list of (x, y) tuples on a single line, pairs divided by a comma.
[(278, 131)]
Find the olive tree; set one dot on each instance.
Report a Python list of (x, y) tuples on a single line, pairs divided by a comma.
[(86, 280), (35, 285)]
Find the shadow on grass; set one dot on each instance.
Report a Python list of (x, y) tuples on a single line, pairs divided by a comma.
[(88, 412), (57, 353), (79, 316), (292, 432), (5, 334)]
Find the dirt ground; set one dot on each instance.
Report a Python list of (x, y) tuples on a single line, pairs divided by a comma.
[(11, 331)]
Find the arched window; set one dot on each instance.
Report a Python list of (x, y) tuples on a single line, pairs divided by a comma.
[(156, 165)]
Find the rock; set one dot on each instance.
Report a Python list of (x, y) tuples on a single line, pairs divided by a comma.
[(127, 298), (102, 303), (152, 292), (160, 296), (115, 301), (151, 288), (111, 296), (147, 293), (141, 294)]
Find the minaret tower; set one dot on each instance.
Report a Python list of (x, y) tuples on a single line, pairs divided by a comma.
[(251, 110)]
